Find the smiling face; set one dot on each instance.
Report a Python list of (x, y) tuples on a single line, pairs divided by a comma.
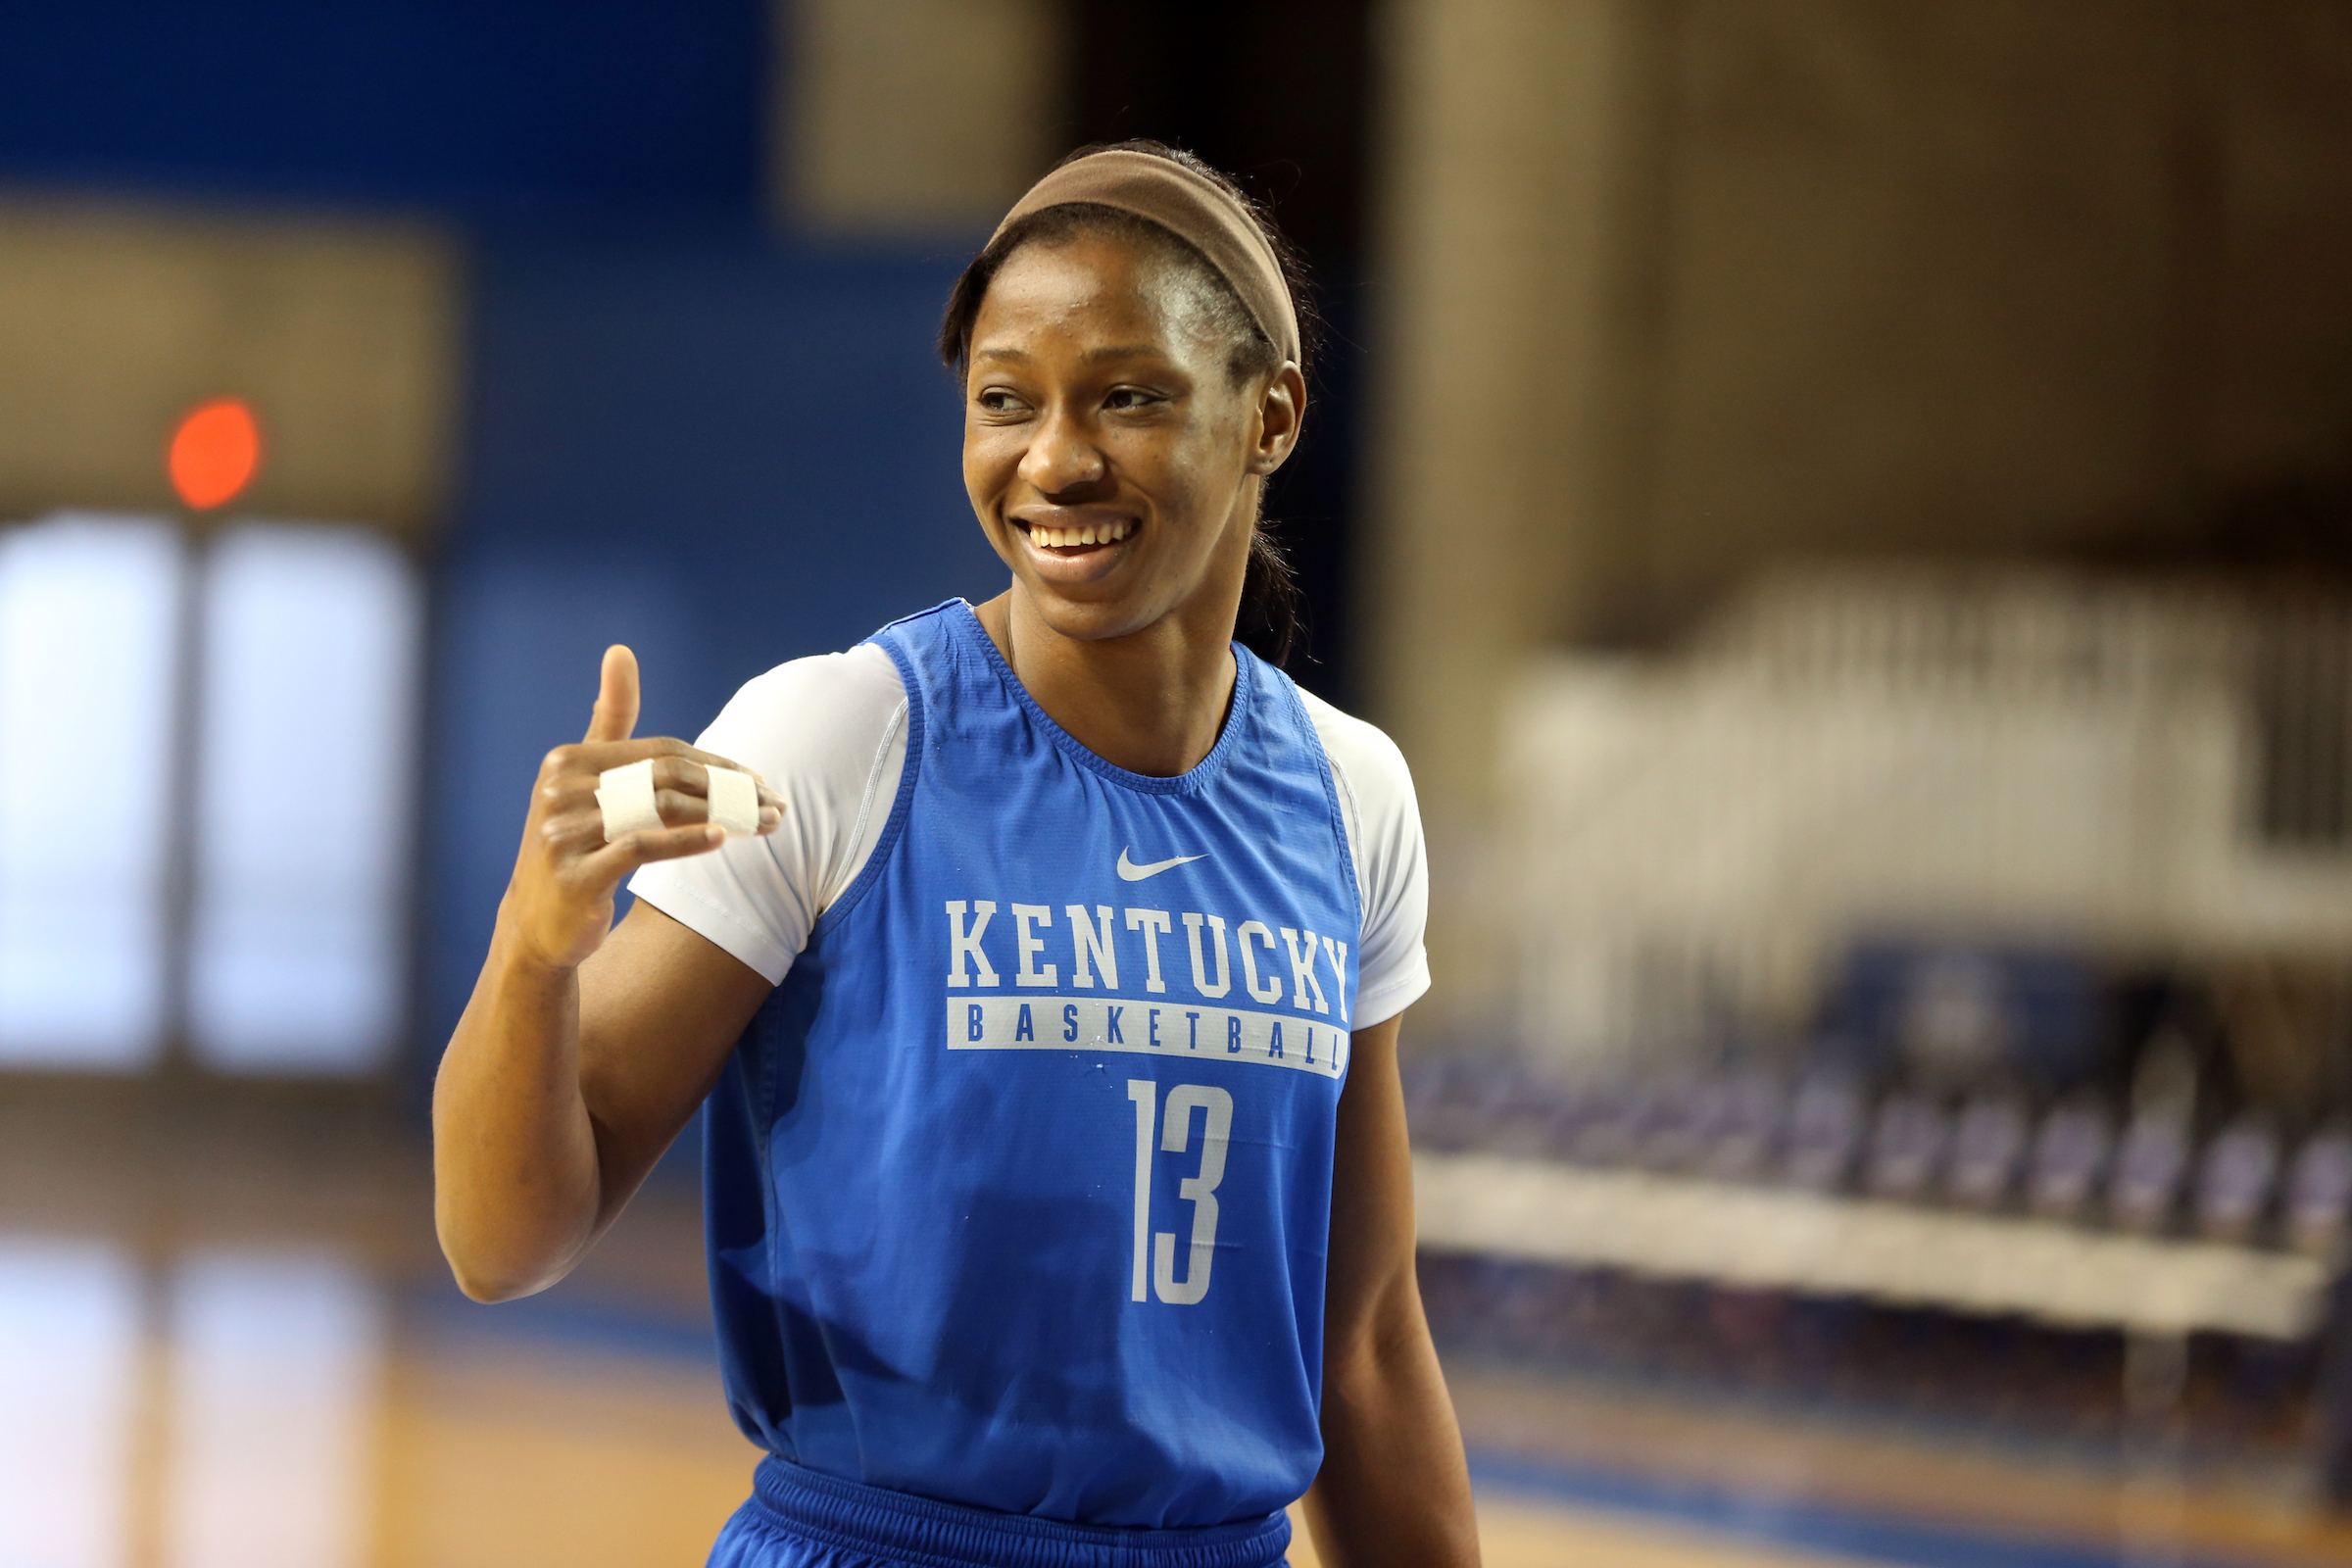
[(1111, 457)]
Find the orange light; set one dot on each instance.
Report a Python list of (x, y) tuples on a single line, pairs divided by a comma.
[(215, 453)]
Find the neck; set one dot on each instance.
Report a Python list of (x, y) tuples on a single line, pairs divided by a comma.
[(1151, 701)]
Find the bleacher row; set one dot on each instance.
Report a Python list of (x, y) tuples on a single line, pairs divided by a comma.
[(2076, 1160)]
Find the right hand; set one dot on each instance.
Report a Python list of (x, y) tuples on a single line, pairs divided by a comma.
[(558, 906)]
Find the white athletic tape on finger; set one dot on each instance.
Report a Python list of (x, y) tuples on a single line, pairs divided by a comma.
[(625, 795), (734, 801)]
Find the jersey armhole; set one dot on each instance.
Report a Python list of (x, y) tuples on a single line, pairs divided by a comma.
[(1352, 824), (1339, 826), (901, 806)]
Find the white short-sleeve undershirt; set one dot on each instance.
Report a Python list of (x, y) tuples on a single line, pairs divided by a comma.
[(829, 734)]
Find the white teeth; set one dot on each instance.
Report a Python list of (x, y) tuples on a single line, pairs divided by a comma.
[(1100, 533)]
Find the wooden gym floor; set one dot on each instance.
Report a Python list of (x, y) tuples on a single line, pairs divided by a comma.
[(225, 1339)]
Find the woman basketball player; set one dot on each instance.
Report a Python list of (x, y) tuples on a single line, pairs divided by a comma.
[(1059, 1197)]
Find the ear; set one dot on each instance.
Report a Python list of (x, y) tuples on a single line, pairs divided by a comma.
[(1281, 410)]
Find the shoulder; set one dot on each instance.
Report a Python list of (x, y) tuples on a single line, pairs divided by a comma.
[(830, 709), (856, 682), (1370, 770), (829, 734)]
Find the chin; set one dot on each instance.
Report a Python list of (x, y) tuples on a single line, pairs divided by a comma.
[(1090, 621), (1092, 617)]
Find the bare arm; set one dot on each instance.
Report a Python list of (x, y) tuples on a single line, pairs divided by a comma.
[(1393, 1487), (578, 1057)]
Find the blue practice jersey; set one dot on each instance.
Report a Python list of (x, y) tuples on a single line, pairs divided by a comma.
[(1019, 1185)]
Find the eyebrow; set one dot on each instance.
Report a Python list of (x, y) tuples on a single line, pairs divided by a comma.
[(1114, 351)]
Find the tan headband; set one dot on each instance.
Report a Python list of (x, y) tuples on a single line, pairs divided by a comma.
[(1189, 207)]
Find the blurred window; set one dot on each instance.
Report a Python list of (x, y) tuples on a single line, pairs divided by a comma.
[(304, 756), (301, 726), (89, 616)]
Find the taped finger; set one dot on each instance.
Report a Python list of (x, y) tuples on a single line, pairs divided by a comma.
[(626, 797), (734, 801)]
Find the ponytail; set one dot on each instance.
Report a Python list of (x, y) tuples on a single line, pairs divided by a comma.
[(1273, 620)]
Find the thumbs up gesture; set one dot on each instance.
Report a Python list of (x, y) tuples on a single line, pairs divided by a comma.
[(559, 905)]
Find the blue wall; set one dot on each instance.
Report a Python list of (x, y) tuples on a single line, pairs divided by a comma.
[(504, 105)]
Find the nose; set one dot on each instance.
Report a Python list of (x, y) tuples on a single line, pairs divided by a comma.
[(1062, 457)]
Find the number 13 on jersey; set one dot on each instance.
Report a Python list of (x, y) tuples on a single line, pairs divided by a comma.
[(1155, 1257)]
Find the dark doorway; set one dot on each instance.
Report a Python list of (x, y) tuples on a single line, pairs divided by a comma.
[(1277, 94)]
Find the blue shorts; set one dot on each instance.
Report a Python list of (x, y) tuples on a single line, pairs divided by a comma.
[(800, 1518)]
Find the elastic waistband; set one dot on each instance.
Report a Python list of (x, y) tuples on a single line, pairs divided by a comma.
[(942, 1535)]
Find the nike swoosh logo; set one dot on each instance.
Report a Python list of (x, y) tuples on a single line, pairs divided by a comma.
[(1129, 871)]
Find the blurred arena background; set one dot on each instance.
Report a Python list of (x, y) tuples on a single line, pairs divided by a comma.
[(1848, 508)]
